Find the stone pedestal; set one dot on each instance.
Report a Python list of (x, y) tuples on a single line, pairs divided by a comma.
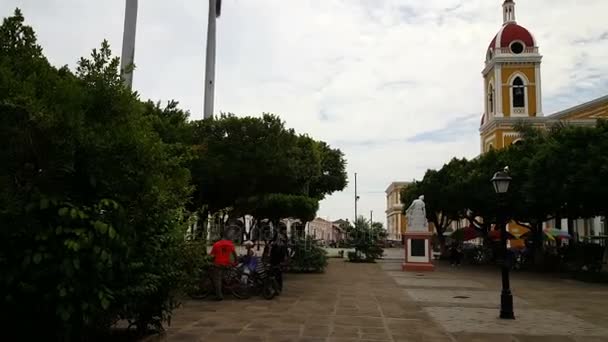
[(418, 252)]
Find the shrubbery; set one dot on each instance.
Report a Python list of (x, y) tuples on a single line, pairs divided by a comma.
[(97, 189), (366, 240), (91, 199), (307, 256), (194, 264)]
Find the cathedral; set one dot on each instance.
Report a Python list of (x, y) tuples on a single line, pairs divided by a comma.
[(513, 93), (513, 87)]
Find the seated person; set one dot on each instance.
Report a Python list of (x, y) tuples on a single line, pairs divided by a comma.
[(250, 260)]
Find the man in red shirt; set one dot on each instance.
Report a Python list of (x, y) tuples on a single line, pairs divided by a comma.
[(222, 251)]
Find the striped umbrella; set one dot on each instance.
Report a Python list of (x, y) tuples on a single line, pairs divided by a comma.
[(518, 231), (495, 235), (465, 234), (554, 233)]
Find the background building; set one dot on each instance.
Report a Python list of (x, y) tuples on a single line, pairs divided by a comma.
[(325, 231), (395, 220)]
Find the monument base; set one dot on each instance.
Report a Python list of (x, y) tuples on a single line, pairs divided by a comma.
[(417, 252), (417, 267)]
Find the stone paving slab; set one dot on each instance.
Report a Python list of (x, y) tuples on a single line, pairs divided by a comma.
[(350, 302), (438, 282), (469, 297), (528, 322), (420, 275), (379, 302)]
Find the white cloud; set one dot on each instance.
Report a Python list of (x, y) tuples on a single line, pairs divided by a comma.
[(364, 75)]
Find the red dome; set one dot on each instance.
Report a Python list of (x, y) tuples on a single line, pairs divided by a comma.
[(510, 33)]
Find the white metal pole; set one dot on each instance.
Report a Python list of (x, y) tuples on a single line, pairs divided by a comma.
[(210, 61), (128, 43)]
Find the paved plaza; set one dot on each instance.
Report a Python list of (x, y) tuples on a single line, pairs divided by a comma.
[(378, 302)]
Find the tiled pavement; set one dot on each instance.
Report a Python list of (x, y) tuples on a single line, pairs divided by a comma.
[(378, 302)]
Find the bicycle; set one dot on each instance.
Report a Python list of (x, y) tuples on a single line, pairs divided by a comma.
[(261, 282), (231, 283)]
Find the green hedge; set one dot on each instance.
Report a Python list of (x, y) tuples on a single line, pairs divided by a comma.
[(307, 256), (91, 198)]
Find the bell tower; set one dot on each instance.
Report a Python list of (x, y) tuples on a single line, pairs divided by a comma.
[(512, 71), (512, 82)]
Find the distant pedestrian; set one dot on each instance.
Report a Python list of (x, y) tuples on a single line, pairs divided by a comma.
[(278, 254), (455, 254)]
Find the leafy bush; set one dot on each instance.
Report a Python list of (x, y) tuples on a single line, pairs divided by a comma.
[(307, 256), (91, 198), (194, 262), (366, 240)]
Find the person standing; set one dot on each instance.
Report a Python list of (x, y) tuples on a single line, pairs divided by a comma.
[(222, 251), (278, 254), (455, 254)]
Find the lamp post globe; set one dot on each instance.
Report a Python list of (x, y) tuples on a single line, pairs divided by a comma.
[(501, 181)]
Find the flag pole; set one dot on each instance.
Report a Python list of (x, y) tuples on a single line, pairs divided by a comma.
[(215, 7), (128, 43)]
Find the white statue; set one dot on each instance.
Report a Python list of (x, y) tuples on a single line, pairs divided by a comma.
[(416, 216)]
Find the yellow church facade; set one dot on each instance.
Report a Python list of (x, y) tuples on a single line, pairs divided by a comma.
[(513, 94), (395, 219), (513, 88)]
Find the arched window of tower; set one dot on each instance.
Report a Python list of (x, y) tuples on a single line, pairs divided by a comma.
[(518, 89), (491, 99)]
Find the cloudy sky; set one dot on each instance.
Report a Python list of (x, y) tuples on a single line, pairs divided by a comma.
[(395, 84)]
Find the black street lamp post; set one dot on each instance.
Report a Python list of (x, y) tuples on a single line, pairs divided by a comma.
[(501, 182)]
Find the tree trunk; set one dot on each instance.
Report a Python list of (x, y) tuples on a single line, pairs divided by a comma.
[(440, 229), (537, 252), (246, 234), (201, 225), (571, 230), (442, 246)]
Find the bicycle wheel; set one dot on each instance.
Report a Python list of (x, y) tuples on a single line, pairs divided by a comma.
[(233, 284), (203, 290)]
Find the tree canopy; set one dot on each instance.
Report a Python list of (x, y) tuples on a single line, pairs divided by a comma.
[(98, 187), (91, 197), (555, 173), (256, 166), (444, 192)]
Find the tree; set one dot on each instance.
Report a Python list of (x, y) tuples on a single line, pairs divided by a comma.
[(256, 166), (443, 192), (277, 206), (332, 176), (480, 201), (366, 239), (563, 174), (91, 198)]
